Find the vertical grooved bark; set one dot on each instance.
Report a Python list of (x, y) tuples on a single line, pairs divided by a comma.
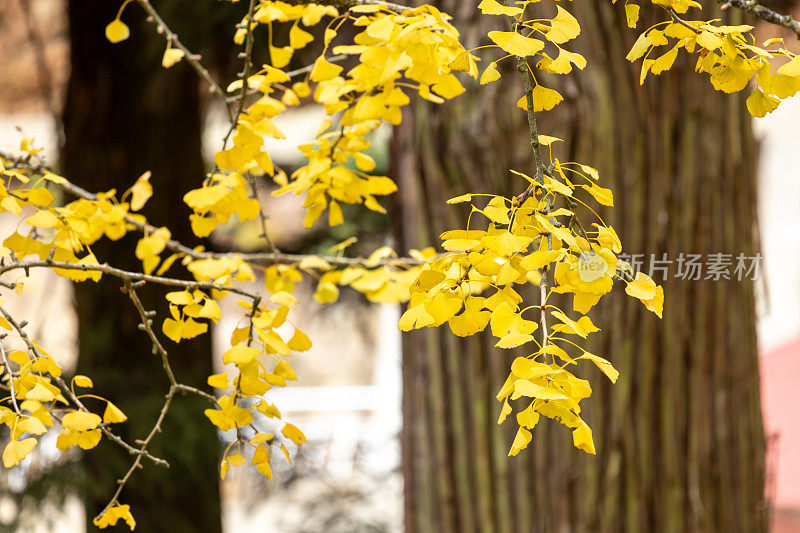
[(679, 437)]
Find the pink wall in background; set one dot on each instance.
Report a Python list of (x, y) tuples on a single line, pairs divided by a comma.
[(780, 395)]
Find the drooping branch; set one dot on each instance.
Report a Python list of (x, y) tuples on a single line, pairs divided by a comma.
[(39, 167)]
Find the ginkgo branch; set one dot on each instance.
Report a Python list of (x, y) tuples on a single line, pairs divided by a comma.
[(148, 328), (10, 378), (142, 450), (190, 57), (764, 13), (19, 328), (541, 170), (125, 275)]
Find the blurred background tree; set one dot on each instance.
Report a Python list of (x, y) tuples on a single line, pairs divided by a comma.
[(679, 437), (125, 114)]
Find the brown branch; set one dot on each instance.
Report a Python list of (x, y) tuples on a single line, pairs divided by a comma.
[(142, 451), (147, 326), (125, 275), (764, 13), (190, 57)]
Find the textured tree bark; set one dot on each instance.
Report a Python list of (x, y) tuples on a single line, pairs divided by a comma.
[(125, 114), (679, 437)]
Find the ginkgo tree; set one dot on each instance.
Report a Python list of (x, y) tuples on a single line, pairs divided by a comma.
[(549, 235)]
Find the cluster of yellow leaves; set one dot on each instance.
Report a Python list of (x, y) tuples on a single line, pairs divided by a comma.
[(727, 53), (535, 38), (396, 51), (36, 395), (258, 359), (220, 197), (475, 286)]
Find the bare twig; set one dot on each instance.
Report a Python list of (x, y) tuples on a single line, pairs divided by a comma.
[(147, 325), (764, 13), (190, 57)]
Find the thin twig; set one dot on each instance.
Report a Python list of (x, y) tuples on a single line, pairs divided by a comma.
[(764, 13), (126, 275), (142, 450), (10, 379), (541, 170), (192, 58), (147, 325)]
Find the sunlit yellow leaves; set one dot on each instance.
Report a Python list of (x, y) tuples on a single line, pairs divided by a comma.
[(544, 99), (760, 104), (113, 414), (114, 514), (632, 14), (40, 393), (141, 191), (180, 327), (300, 342), (643, 287), (82, 381), (218, 381), (516, 44), (292, 433), (80, 421), (240, 354), (606, 367), (171, 57), (16, 450), (582, 437), (521, 441), (150, 246), (564, 27), (324, 70), (510, 327), (493, 7), (583, 326), (523, 387), (117, 31), (229, 415)]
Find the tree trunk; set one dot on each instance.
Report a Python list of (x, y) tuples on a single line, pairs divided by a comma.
[(125, 114), (680, 445)]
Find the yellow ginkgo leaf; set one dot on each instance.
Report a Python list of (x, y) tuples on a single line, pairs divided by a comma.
[(113, 514), (113, 414), (493, 7), (292, 433), (544, 99), (563, 27), (642, 287), (606, 367), (490, 74), (117, 31), (141, 191), (521, 441), (516, 44), (16, 450), (171, 56), (760, 104), (218, 381), (582, 437)]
